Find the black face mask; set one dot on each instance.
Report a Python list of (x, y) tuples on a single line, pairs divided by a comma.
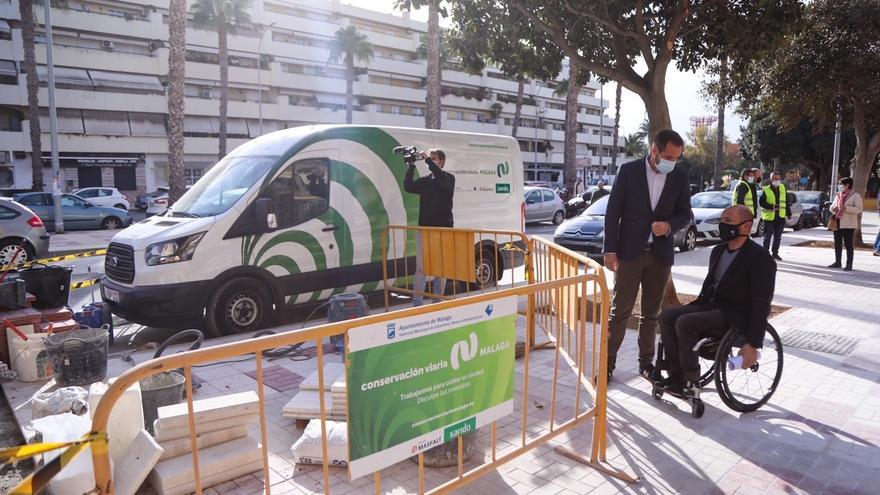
[(728, 231)]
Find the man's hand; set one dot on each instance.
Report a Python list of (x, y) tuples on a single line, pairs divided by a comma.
[(661, 229), (750, 356), (611, 262)]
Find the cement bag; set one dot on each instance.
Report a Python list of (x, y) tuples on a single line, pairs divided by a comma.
[(308, 449), (63, 400)]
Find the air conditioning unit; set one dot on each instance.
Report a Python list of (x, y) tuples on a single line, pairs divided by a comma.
[(234, 61), (156, 44), (5, 156), (205, 93), (107, 44)]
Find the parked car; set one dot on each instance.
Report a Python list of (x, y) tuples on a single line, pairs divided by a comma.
[(576, 205), (79, 214), (142, 201), (543, 205), (707, 207), (815, 212), (157, 204), (104, 196), (586, 232), (19, 223)]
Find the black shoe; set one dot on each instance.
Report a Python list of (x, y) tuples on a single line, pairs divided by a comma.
[(836, 264), (848, 268), (876, 253), (673, 385), (647, 371), (777, 257)]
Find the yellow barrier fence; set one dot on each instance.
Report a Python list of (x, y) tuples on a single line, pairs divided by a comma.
[(565, 296)]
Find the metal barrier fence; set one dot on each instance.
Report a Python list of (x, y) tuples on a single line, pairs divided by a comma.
[(565, 296)]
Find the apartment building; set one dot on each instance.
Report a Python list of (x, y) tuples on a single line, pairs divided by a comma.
[(111, 75)]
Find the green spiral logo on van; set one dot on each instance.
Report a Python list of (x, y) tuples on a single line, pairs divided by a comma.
[(255, 249), (503, 169)]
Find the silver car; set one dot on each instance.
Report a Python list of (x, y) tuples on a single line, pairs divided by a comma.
[(18, 223), (544, 205)]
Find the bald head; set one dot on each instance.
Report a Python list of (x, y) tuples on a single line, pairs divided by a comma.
[(737, 214)]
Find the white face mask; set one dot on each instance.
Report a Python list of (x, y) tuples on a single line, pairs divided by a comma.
[(665, 166), (841, 187), (775, 183), (750, 180)]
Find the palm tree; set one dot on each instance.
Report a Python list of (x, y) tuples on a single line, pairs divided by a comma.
[(634, 145), (616, 127), (176, 76), (224, 16), (432, 100), (570, 88), (350, 45), (26, 10)]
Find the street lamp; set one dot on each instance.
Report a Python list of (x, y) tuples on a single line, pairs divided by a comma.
[(53, 121), (260, 73)]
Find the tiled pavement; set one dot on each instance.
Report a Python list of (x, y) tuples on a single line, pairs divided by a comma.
[(819, 434)]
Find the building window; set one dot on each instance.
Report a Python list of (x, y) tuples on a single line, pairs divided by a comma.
[(125, 178), (191, 175)]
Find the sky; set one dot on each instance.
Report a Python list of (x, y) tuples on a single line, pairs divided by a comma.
[(682, 91)]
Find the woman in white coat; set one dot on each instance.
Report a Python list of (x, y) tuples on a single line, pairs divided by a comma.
[(845, 210)]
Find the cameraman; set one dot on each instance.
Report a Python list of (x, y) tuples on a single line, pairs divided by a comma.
[(435, 210)]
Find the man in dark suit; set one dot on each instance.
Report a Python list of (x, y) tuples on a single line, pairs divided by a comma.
[(737, 292), (649, 202)]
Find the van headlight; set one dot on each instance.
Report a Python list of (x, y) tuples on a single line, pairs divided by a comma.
[(173, 251)]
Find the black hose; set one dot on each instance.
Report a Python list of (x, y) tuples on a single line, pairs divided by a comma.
[(284, 351), (197, 334)]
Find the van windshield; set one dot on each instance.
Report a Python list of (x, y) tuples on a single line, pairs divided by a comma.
[(222, 186)]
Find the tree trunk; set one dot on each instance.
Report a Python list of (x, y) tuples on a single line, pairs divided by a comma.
[(176, 75), (26, 10), (433, 103), (517, 111), (222, 43), (617, 98), (569, 169), (349, 86), (719, 134), (867, 149)]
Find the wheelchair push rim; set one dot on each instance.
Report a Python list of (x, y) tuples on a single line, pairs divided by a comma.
[(749, 389)]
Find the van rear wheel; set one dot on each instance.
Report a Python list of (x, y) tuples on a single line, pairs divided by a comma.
[(239, 305)]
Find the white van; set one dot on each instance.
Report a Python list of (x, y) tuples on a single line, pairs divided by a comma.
[(296, 216)]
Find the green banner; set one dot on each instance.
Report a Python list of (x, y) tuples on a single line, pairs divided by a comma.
[(418, 382)]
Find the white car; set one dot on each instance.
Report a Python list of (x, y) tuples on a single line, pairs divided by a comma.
[(707, 207), (543, 205), (104, 196), (157, 205)]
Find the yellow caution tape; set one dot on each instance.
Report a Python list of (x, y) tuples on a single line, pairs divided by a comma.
[(56, 259), (82, 284), (30, 450), (39, 479)]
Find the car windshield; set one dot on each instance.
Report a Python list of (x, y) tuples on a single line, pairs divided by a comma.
[(223, 185), (808, 198), (597, 208), (717, 201)]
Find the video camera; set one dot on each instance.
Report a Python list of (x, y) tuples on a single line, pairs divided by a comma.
[(410, 153)]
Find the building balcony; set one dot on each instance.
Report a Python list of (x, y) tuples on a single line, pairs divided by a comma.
[(85, 58), (150, 28)]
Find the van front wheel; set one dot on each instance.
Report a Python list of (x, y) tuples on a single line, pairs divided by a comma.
[(239, 305)]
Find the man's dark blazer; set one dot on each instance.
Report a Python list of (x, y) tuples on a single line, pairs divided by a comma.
[(746, 290), (628, 217)]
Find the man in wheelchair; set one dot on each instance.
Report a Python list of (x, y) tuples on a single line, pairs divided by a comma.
[(737, 292)]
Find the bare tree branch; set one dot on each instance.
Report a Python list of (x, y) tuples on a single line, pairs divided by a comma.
[(606, 21), (643, 39), (625, 76), (672, 33)]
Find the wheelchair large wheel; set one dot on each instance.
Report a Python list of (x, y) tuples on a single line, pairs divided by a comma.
[(708, 368), (749, 389)]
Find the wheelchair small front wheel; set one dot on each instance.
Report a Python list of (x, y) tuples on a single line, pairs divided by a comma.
[(698, 408), (746, 390)]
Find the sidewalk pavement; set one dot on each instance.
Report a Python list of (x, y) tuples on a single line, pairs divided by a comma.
[(79, 240), (820, 433)]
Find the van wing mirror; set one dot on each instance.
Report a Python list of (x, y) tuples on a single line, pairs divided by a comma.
[(265, 216)]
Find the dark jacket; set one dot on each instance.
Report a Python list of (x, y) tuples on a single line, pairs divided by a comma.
[(435, 195), (745, 293), (628, 217)]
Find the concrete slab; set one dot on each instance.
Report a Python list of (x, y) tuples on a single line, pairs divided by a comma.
[(217, 464), (180, 446), (208, 410), (166, 434), (130, 471)]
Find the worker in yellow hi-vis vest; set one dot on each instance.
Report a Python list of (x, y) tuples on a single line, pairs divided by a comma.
[(774, 203), (745, 193)]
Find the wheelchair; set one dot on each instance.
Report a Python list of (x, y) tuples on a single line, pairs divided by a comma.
[(743, 390)]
